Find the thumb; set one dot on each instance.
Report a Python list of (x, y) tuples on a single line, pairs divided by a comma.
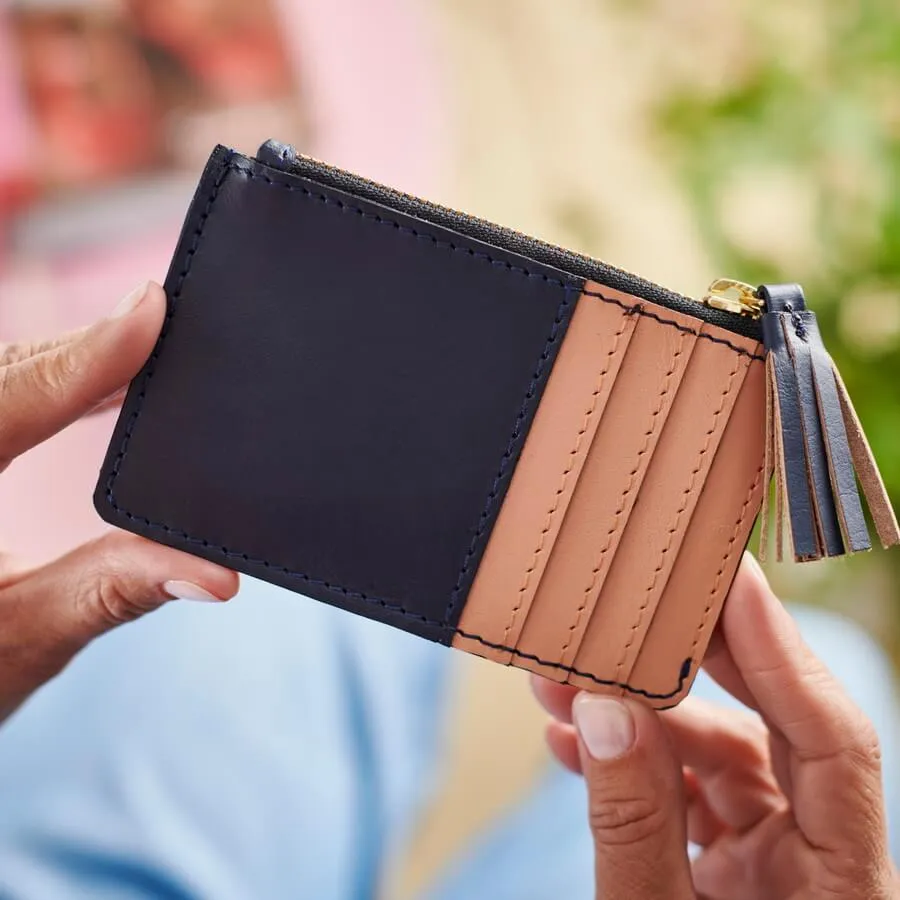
[(43, 391), (635, 799)]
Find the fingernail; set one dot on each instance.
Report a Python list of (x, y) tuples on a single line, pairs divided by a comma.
[(185, 590), (130, 303), (752, 563), (605, 725)]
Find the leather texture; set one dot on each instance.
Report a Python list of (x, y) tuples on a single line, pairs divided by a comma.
[(701, 577), (577, 580), (339, 396), (619, 458), (809, 443), (698, 415), (544, 484), (883, 514), (848, 507), (283, 156), (791, 440), (400, 420), (786, 304)]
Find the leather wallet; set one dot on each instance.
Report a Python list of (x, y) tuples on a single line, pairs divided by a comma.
[(446, 426)]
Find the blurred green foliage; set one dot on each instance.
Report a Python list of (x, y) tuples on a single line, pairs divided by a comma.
[(809, 116)]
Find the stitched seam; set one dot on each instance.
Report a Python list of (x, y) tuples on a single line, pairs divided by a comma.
[(573, 458), (637, 309), (685, 497), (642, 310), (504, 460), (729, 553), (154, 357), (632, 476), (682, 676), (797, 322), (634, 308)]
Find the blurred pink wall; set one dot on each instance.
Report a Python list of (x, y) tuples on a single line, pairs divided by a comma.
[(372, 76)]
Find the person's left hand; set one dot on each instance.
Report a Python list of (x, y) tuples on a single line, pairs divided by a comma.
[(50, 612)]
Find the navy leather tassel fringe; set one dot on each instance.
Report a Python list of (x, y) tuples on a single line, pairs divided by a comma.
[(815, 445)]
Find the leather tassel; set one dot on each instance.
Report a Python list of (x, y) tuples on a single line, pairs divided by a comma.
[(879, 503), (815, 445)]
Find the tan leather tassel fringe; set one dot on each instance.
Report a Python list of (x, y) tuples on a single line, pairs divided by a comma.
[(867, 471), (815, 445), (774, 469)]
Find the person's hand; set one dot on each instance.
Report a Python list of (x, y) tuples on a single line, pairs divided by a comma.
[(49, 612), (787, 804)]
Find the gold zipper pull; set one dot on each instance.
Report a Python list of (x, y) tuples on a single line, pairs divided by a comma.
[(734, 297)]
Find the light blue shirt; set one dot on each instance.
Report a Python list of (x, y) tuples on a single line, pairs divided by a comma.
[(276, 748)]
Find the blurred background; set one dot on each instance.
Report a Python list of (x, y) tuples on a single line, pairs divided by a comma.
[(681, 139)]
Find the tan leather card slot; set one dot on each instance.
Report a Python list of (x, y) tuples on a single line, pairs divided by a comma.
[(639, 479), (610, 483), (545, 477), (709, 555), (659, 520)]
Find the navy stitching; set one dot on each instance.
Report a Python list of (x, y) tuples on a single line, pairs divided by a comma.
[(636, 308), (641, 310), (154, 356), (796, 321), (683, 674), (392, 607), (507, 455), (529, 397)]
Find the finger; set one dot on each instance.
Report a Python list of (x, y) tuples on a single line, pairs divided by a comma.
[(728, 751), (765, 862), (108, 582), (42, 394), (836, 777), (635, 798), (114, 401), (13, 353), (50, 612), (720, 665), (790, 686), (704, 827), (556, 698), (780, 754), (563, 744)]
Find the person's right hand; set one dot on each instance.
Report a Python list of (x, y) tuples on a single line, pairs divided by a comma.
[(785, 805)]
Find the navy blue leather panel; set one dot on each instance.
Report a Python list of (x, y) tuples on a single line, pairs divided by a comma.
[(830, 465), (800, 501), (339, 396), (843, 475), (786, 301)]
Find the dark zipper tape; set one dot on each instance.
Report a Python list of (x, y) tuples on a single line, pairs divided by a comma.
[(285, 159)]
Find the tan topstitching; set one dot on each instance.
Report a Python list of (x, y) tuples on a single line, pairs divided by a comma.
[(573, 454), (674, 527), (622, 500)]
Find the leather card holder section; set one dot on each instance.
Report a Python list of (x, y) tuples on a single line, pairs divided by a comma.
[(405, 422), (613, 580)]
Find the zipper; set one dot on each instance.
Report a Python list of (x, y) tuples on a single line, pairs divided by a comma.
[(716, 307), (734, 297)]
